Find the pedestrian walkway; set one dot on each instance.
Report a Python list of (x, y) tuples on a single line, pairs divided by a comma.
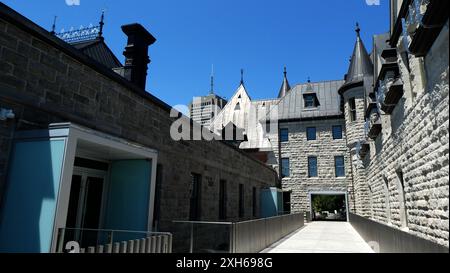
[(322, 237)]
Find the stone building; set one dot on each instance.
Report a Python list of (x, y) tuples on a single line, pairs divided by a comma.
[(391, 113), (75, 127), (403, 172), (311, 143)]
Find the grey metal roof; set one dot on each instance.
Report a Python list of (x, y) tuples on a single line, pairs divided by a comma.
[(99, 51), (292, 106), (285, 87), (360, 64)]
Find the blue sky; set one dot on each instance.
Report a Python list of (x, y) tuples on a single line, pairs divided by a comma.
[(312, 38)]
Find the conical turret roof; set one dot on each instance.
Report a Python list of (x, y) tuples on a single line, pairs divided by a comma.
[(285, 87), (360, 64)]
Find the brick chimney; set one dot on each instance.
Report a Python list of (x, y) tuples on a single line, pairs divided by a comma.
[(136, 53)]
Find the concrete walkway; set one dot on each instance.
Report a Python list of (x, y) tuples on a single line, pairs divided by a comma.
[(322, 237)]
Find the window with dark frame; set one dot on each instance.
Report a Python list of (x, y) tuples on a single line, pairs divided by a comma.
[(312, 166), (311, 133), (339, 166), (352, 109), (337, 132), (223, 200), (284, 135), (310, 100), (195, 201), (241, 201), (285, 169)]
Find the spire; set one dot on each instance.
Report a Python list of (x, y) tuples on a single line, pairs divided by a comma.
[(360, 63), (242, 76), (101, 24), (285, 87), (358, 30), (309, 87), (53, 32), (211, 92)]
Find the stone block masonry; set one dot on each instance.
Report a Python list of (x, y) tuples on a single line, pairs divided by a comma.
[(45, 81), (417, 146), (325, 148)]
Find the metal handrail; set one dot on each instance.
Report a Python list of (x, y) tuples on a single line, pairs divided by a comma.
[(234, 230), (203, 222), (118, 230)]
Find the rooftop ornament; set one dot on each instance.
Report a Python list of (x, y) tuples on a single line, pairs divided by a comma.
[(83, 33)]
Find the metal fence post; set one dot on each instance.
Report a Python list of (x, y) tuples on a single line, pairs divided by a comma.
[(191, 247), (61, 236)]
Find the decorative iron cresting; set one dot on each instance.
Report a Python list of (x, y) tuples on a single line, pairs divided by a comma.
[(82, 34)]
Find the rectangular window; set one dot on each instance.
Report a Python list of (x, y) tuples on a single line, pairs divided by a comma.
[(310, 100), (352, 109), (284, 135), (241, 201), (339, 166), (255, 200), (285, 169), (223, 200), (312, 166), (337, 132), (195, 202), (311, 133)]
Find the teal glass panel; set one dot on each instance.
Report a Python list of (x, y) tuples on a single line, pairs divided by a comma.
[(129, 195), (29, 210)]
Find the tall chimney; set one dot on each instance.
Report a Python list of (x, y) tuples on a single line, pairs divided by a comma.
[(136, 53)]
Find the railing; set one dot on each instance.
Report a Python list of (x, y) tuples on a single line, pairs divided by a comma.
[(227, 237), (387, 239), (73, 240), (255, 236)]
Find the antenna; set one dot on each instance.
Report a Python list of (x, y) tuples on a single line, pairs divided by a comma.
[(101, 24), (212, 80), (53, 32), (242, 76), (358, 29)]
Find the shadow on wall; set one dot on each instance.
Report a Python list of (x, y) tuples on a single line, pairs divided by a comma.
[(29, 207)]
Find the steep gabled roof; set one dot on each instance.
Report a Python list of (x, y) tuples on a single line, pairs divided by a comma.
[(245, 117), (99, 51)]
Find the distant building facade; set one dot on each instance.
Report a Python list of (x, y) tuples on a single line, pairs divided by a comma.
[(203, 109)]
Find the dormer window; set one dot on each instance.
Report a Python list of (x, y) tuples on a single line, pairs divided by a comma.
[(311, 100)]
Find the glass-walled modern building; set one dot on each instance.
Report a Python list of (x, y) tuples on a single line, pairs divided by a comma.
[(76, 183)]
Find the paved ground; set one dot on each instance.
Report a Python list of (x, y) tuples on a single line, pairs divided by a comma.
[(322, 237)]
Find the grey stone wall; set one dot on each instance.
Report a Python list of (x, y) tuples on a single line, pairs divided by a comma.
[(45, 81), (355, 133), (325, 148), (415, 141)]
